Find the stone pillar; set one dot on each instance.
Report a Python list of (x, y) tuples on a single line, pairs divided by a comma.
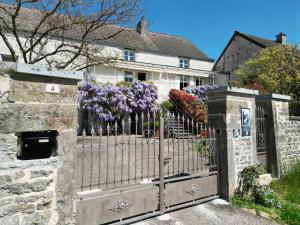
[(235, 150), (278, 124), (36, 191)]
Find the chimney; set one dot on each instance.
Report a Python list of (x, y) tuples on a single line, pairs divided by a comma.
[(281, 38), (142, 27)]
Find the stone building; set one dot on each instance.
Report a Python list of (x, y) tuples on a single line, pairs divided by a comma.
[(166, 60), (240, 48)]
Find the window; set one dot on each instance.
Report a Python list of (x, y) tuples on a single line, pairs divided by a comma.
[(183, 63), (128, 76), (184, 82), (142, 76), (199, 81), (128, 55)]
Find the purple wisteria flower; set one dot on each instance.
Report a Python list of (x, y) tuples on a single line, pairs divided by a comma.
[(200, 91), (109, 102)]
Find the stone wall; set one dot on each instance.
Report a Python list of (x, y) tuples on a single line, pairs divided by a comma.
[(27, 192), (290, 150), (37, 191), (288, 136), (283, 133), (235, 151)]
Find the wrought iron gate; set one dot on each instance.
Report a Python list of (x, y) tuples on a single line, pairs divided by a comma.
[(261, 135), (144, 166)]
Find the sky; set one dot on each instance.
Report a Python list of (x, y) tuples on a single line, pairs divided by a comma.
[(209, 24)]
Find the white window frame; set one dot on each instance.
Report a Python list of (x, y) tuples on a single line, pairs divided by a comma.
[(200, 79), (184, 63), (184, 80), (129, 55), (128, 76)]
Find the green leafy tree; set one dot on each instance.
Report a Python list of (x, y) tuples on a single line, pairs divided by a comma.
[(275, 70)]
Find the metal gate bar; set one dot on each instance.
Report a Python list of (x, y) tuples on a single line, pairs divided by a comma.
[(121, 161)]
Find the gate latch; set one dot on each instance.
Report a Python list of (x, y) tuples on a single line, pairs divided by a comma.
[(167, 160)]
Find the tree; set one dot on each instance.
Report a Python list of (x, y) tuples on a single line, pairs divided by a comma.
[(275, 69), (64, 33)]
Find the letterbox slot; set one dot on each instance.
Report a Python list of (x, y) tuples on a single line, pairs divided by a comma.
[(37, 145)]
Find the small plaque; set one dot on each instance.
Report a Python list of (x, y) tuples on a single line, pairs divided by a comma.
[(236, 133), (245, 122), (52, 88)]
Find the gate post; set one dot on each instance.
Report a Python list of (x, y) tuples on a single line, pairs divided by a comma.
[(161, 167), (237, 143), (276, 108), (37, 140)]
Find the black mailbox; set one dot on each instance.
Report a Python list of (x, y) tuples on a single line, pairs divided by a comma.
[(37, 145)]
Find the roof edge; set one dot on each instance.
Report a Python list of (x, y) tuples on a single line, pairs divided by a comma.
[(230, 40)]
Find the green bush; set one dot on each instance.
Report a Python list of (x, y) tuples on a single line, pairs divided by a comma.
[(200, 146), (166, 106), (294, 107), (263, 195), (282, 204), (248, 178), (123, 84)]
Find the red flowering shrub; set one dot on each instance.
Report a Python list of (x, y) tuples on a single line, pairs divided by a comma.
[(257, 86), (190, 104), (203, 134)]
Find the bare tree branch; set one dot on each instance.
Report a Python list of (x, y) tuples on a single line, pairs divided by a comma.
[(63, 33)]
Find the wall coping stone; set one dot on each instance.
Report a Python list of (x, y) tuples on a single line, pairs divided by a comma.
[(236, 90), (295, 118), (5, 67), (274, 97), (44, 71), (38, 70)]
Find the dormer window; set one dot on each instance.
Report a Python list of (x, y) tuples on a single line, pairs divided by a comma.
[(128, 55), (184, 63)]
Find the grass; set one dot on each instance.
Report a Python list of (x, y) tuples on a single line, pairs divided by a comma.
[(288, 187), (290, 214), (287, 190), (249, 204)]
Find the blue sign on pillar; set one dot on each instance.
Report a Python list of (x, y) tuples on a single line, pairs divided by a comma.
[(245, 122)]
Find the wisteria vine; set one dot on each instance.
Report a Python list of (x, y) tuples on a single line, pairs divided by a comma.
[(200, 91), (108, 102)]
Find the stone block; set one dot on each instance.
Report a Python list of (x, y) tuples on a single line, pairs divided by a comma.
[(10, 220), (9, 177), (24, 187), (11, 209), (40, 218), (41, 173), (26, 88), (44, 204), (265, 179), (5, 201), (35, 117), (33, 197), (65, 181), (4, 88), (8, 146)]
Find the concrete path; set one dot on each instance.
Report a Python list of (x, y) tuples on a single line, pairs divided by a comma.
[(217, 212)]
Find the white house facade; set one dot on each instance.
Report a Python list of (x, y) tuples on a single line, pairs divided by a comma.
[(166, 60)]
